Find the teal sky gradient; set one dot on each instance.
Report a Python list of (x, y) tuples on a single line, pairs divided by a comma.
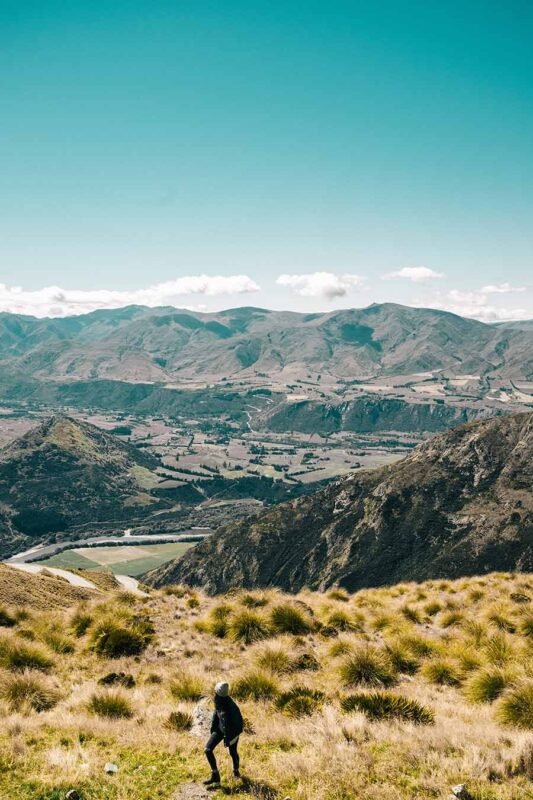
[(145, 141)]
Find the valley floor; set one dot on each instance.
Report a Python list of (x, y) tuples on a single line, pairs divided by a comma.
[(388, 694)]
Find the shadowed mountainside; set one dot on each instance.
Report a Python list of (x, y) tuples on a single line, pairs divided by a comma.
[(460, 504), (65, 473)]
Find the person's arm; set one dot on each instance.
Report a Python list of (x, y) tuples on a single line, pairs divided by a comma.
[(215, 724)]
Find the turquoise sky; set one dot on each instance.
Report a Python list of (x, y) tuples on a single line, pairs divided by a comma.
[(143, 142)]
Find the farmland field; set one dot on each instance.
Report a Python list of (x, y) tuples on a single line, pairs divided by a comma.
[(122, 560)]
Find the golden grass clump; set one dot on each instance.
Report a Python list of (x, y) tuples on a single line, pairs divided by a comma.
[(487, 684), (368, 665), (248, 627), (187, 686), (28, 691), (112, 704), (255, 685), (516, 706), (442, 671), (289, 618), (17, 655)]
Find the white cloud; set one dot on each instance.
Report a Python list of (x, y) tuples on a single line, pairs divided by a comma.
[(53, 301), (415, 274), (502, 288), (475, 304), (320, 284)]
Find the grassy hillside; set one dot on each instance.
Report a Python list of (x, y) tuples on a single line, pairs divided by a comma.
[(389, 694)]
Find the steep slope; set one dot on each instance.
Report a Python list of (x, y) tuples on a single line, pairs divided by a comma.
[(166, 344), (460, 504), (66, 473)]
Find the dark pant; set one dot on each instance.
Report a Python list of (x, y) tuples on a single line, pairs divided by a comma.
[(214, 740)]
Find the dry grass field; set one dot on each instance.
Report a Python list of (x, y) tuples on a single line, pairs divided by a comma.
[(388, 694)]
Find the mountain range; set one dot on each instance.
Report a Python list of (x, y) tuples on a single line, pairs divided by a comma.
[(460, 504), (164, 345)]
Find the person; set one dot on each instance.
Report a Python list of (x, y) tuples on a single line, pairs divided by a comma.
[(226, 725)]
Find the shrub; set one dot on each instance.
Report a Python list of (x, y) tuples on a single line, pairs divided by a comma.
[(386, 705), (18, 656), (442, 672), (516, 707), (300, 701), (116, 639), (248, 627), (110, 704), (187, 687), (288, 618), (274, 658), (255, 685), (7, 620), (367, 665), (179, 720), (487, 685), (117, 678), (28, 691)]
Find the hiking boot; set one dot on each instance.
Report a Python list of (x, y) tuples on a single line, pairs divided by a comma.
[(215, 778)]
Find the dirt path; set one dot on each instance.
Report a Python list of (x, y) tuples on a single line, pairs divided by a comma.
[(130, 584), (74, 580)]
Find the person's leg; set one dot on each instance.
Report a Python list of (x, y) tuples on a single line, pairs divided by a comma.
[(214, 739), (234, 753)]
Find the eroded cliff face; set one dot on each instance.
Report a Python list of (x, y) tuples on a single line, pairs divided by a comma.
[(460, 504)]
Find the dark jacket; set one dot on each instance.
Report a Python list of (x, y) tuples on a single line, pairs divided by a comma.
[(227, 719)]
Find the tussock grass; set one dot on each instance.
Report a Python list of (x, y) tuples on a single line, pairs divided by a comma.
[(179, 720), (112, 704), (17, 655), (7, 619), (487, 685), (516, 706), (300, 701), (187, 686), (299, 742), (116, 638), (276, 658), (289, 618), (255, 685), (28, 691), (442, 671), (367, 665), (248, 627), (402, 659), (381, 705)]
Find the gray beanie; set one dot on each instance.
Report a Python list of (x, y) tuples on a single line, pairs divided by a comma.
[(222, 689)]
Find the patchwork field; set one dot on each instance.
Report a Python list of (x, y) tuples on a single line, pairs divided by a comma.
[(131, 560)]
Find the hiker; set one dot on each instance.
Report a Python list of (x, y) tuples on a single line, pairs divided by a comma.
[(227, 725)]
